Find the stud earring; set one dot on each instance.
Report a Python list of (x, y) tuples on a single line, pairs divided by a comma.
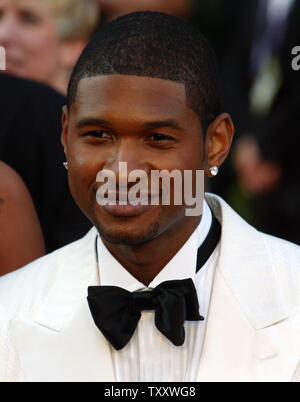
[(66, 165), (214, 170)]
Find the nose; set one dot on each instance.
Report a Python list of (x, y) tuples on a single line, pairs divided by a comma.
[(8, 30), (126, 158)]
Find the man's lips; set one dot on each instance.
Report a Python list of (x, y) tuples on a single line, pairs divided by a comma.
[(124, 203), (117, 204), (124, 198), (126, 210)]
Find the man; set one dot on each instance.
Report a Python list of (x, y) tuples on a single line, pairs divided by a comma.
[(144, 92), (30, 143)]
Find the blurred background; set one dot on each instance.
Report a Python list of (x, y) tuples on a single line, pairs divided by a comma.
[(253, 40)]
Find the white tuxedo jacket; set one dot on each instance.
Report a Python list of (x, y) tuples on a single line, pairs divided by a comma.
[(253, 327)]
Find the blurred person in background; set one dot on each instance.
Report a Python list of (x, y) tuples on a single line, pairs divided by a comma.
[(21, 239), (214, 18), (111, 9), (261, 92), (30, 118), (43, 39)]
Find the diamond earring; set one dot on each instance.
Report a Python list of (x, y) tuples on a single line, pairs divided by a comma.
[(214, 170), (66, 165)]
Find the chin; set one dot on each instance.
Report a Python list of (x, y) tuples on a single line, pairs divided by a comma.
[(128, 235), (131, 231)]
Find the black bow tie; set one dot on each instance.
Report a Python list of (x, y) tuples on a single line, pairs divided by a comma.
[(116, 311)]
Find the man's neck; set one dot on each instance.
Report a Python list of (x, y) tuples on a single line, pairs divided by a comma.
[(145, 261)]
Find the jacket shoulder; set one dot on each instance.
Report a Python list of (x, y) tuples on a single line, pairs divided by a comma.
[(282, 251), (25, 288), (285, 259)]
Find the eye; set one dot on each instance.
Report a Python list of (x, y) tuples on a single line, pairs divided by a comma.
[(29, 18), (159, 137), (161, 141), (98, 134)]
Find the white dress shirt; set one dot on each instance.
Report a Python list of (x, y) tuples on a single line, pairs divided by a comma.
[(149, 356)]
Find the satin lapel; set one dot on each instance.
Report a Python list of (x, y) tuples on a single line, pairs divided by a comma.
[(247, 269), (232, 348), (62, 343), (79, 353)]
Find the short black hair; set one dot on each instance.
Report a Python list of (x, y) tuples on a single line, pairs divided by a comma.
[(157, 45)]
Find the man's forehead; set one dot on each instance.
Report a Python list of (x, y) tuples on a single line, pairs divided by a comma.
[(128, 90)]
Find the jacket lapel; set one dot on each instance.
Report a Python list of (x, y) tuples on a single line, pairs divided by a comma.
[(248, 313), (232, 348), (62, 343)]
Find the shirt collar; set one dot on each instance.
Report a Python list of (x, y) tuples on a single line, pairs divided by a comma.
[(181, 266)]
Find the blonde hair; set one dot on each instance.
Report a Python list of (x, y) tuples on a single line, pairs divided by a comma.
[(75, 18)]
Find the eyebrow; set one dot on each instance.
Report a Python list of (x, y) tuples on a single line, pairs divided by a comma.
[(91, 121), (164, 123)]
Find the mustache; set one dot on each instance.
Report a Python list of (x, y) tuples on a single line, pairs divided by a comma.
[(125, 195), (119, 190)]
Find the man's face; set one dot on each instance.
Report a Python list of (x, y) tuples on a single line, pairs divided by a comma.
[(139, 120)]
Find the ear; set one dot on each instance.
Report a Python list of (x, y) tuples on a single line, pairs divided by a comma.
[(65, 127), (70, 51), (218, 141)]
